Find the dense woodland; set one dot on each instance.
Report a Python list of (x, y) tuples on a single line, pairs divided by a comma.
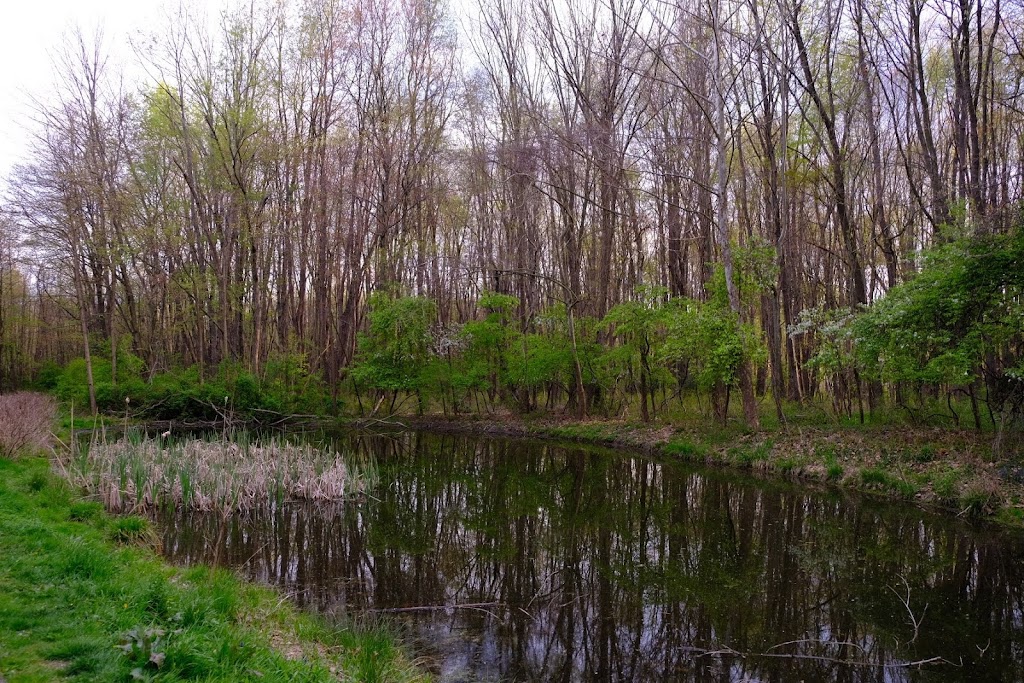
[(595, 206)]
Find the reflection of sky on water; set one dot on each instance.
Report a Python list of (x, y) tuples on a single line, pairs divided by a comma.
[(578, 565)]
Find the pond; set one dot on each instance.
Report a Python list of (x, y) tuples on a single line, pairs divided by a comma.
[(506, 560)]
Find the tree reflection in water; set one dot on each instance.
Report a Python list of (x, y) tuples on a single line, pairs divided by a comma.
[(534, 562)]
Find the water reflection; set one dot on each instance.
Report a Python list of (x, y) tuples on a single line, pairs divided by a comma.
[(530, 562)]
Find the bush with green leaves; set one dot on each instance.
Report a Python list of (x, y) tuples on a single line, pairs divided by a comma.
[(959, 321), (396, 347), (491, 340), (72, 385), (708, 336), (289, 383), (641, 328), (192, 394)]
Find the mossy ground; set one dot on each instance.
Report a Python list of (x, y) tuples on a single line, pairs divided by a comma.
[(83, 597)]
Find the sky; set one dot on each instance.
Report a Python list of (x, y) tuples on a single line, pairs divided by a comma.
[(31, 35)]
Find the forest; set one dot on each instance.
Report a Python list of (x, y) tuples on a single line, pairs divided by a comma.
[(602, 208)]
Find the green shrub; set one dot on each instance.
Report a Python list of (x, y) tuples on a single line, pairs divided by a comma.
[(48, 375), (876, 477), (946, 484), (977, 499), (834, 471), (686, 449), (829, 457), (84, 511), (786, 465), (748, 455), (133, 530)]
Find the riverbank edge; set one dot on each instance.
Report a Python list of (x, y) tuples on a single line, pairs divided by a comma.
[(84, 595), (936, 469)]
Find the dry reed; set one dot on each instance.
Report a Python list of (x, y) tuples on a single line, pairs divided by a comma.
[(25, 421), (227, 476)]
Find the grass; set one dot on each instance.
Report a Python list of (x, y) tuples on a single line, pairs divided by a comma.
[(133, 530), (830, 459), (748, 455), (686, 449), (874, 477), (82, 598), (229, 475)]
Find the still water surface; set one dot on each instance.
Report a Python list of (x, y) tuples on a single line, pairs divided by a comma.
[(506, 560)]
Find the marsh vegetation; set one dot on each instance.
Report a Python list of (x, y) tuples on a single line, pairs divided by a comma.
[(226, 472)]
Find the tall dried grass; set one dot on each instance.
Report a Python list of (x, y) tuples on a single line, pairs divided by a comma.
[(25, 422), (226, 476)]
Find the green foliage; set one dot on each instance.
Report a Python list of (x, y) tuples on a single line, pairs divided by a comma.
[(144, 647), (878, 478), (640, 327), (72, 385), (133, 530), (946, 483), (829, 457), (708, 335), (488, 344), (186, 394), (544, 357), (757, 269), (833, 332), (47, 376), (834, 471), (686, 450), (925, 454), (393, 352), (540, 360), (977, 499), (638, 323), (289, 383), (966, 304), (747, 455), (246, 392), (85, 511)]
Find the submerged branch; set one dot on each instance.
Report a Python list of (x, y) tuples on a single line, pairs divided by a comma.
[(727, 651)]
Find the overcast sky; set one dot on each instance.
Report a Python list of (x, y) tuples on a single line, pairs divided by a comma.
[(33, 31), (31, 34)]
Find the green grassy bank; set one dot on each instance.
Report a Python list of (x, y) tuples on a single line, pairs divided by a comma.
[(83, 598)]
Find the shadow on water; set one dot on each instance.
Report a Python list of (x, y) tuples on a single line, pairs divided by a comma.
[(510, 560)]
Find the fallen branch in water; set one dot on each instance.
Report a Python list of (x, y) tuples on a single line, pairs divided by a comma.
[(384, 421), (727, 651), (428, 608), (478, 606), (914, 620)]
